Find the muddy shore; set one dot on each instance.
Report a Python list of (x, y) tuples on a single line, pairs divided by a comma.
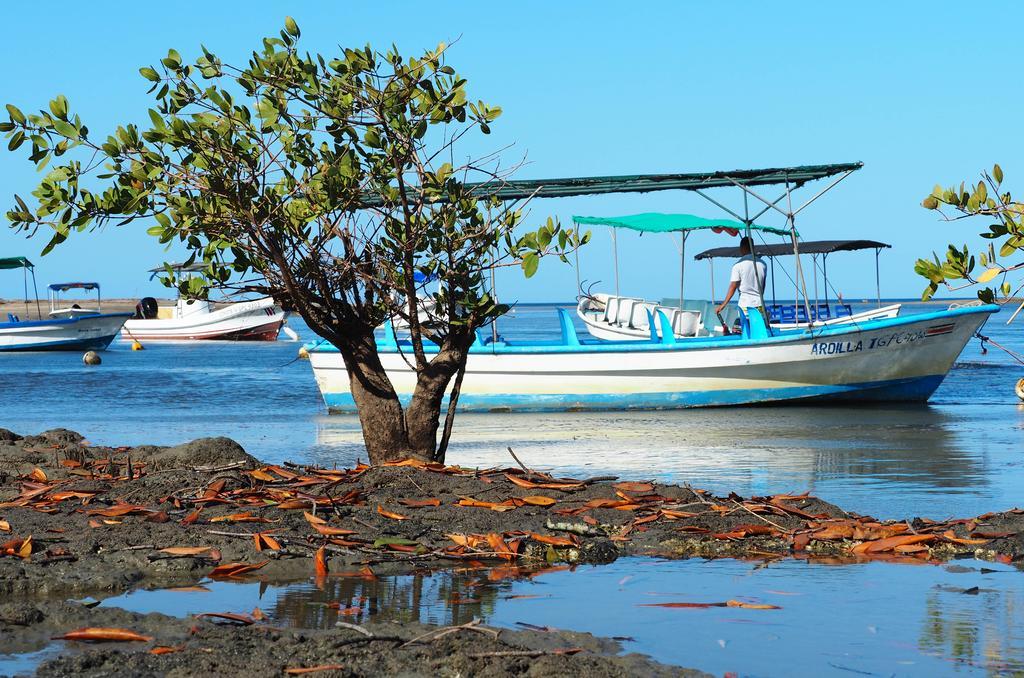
[(79, 519)]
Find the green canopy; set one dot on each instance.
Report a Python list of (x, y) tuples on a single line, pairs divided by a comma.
[(15, 262), (654, 222)]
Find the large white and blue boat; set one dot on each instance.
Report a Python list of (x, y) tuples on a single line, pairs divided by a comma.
[(879, 357), (70, 328)]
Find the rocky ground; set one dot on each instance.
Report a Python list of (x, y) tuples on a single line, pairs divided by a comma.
[(77, 518)]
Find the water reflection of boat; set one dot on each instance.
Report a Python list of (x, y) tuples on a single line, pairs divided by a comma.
[(70, 328), (197, 319)]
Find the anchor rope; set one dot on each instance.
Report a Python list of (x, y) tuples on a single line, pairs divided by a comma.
[(987, 340)]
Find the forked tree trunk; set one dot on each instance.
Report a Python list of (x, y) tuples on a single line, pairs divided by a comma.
[(391, 433), (380, 412)]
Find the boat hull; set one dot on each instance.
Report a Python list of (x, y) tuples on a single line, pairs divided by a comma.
[(78, 333), (259, 320), (899, 359)]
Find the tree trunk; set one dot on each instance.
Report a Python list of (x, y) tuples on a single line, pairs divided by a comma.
[(380, 412), (423, 416)]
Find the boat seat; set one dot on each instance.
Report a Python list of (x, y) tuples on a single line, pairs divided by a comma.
[(686, 323), (822, 312), (753, 326), (611, 309), (11, 318), (843, 310), (788, 314), (641, 312), (625, 312), (569, 336)]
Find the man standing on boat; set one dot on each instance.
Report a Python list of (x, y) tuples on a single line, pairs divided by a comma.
[(748, 277)]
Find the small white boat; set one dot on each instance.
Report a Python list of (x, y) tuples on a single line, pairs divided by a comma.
[(64, 329), (894, 359), (199, 320), (190, 320)]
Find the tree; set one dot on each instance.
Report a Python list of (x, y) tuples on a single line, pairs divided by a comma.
[(984, 199), (327, 183)]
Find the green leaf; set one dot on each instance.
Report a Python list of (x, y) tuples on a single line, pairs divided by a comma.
[(65, 129), (149, 74), (59, 107), (530, 263), (291, 27), (155, 231), (16, 115), (989, 274), (17, 140), (997, 173)]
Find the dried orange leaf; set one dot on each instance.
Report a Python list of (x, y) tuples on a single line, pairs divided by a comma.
[(553, 541), (389, 514), (243, 619), (634, 488), (37, 474), (236, 569), (164, 649), (98, 634), (420, 503), (185, 550), (313, 669), (5, 526), (538, 500), (321, 562)]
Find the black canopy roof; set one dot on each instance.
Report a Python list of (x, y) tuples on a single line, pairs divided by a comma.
[(518, 189), (806, 247)]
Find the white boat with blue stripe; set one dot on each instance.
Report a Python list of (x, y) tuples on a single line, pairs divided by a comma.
[(69, 328), (895, 359)]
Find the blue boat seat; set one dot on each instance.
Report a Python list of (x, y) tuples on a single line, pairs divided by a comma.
[(752, 324), (11, 318), (822, 312), (569, 336), (843, 310)]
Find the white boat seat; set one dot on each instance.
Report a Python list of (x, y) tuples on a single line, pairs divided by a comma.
[(611, 309), (625, 312)]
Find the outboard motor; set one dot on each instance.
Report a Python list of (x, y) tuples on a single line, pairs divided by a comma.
[(146, 309)]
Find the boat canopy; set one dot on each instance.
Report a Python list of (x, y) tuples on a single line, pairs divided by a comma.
[(15, 262), (655, 222), (806, 247), (64, 287)]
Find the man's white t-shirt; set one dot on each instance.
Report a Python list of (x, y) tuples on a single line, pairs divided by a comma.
[(751, 274)]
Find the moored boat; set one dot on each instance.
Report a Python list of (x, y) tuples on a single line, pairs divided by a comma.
[(64, 329), (892, 359), (198, 320)]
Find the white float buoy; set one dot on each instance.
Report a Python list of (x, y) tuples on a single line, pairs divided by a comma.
[(136, 346), (91, 358), (290, 333), (1020, 389)]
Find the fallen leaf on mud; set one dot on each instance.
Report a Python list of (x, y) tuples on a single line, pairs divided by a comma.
[(394, 541), (22, 548), (547, 485), (192, 517), (236, 569), (258, 614), (38, 475), (499, 546), (476, 503), (635, 488), (948, 535), (420, 503), (890, 543), (185, 550), (321, 562), (230, 617), (538, 500), (165, 649), (554, 541), (5, 526), (390, 514), (260, 474), (313, 669), (264, 540), (98, 634), (240, 518)]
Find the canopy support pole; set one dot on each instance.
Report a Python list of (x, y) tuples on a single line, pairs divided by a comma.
[(494, 285), (579, 285), (35, 290), (711, 268), (682, 267), (615, 255), (814, 272), (824, 274), (878, 278), (25, 276)]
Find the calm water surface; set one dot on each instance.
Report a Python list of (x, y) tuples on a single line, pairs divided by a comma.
[(961, 454)]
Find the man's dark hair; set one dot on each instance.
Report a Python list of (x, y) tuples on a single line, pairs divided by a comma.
[(747, 242)]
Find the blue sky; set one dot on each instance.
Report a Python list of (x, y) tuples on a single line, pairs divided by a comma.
[(920, 92)]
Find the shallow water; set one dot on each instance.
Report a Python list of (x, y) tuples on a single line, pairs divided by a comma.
[(896, 619), (959, 455)]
